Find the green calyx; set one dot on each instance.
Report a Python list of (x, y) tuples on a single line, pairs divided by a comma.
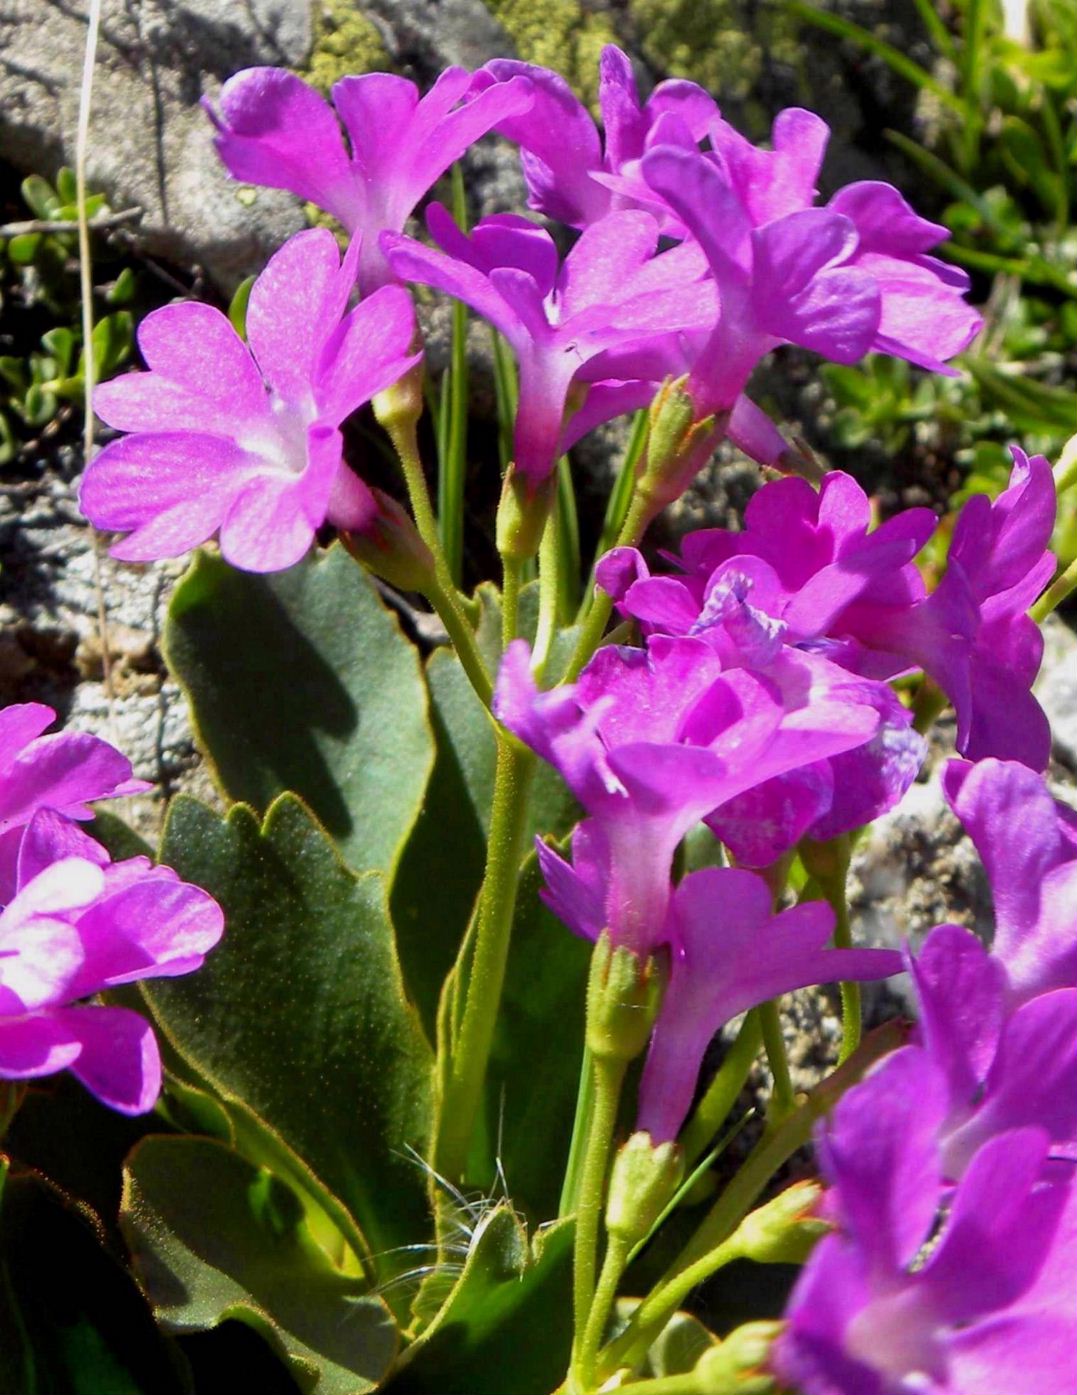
[(737, 1365), (623, 996), (644, 1178)]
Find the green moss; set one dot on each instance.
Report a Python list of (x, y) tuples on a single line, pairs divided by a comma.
[(560, 35), (345, 41), (705, 40)]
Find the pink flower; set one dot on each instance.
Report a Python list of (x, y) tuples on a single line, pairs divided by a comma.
[(242, 439), (76, 926), (275, 130)]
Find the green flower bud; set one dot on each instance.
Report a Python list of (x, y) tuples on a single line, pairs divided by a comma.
[(522, 514), (623, 996), (642, 1183), (736, 1366), (785, 1230), (677, 445), (402, 403)]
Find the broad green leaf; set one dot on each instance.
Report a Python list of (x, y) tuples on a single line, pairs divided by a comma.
[(214, 1237), (506, 1327), (303, 681), (300, 1012), (72, 1321)]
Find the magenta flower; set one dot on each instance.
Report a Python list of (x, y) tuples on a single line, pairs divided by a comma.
[(276, 131), (757, 596), (611, 291), (1002, 1069), (570, 176), (75, 926), (973, 634), (241, 439), (838, 280), (650, 741), (64, 773), (808, 571), (1028, 845), (730, 951), (956, 1290)]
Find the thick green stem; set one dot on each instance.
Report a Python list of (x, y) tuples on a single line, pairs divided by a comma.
[(782, 1100), (510, 599), (609, 1074), (704, 1253), (551, 567), (442, 594), (721, 1094), (483, 974), (1063, 585), (613, 1266), (601, 605), (928, 704)]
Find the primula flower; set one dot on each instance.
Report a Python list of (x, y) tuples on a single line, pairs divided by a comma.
[(275, 130), (242, 439), (1028, 845), (838, 280), (953, 1290), (730, 951), (75, 926), (650, 741), (808, 571), (973, 634), (611, 291), (571, 174), (1003, 1068), (63, 772)]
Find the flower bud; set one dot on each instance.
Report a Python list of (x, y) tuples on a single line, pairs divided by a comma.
[(401, 404), (785, 1230), (642, 1183), (735, 1366), (522, 514), (623, 995), (390, 546), (677, 445)]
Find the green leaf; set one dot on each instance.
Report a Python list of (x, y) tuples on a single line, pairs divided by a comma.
[(213, 1238), (303, 681), (1031, 406), (506, 1327), (300, 1012), (237, 306), (40, 197), (72, 1321)]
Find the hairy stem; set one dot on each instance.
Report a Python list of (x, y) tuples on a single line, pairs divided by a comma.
[(442, 594), (601, 605), (782, 1100), (483, 973), (609, 1076)]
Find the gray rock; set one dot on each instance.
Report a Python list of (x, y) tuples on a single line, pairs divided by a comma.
[(150, 143), (51, 647)]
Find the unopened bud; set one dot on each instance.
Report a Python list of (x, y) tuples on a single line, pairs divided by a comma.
[(402, 403), (390, 546), (643, 1180), (522, 514), (785, 1230), (623, 996), (737, 1366), (677, 444)]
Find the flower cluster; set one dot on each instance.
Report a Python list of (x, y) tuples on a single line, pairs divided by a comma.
[(651, 741), (952, 1166), (73, 923), (244, 441)]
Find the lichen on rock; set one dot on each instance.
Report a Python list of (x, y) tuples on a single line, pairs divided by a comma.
[(558, 34), (344, 41)]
